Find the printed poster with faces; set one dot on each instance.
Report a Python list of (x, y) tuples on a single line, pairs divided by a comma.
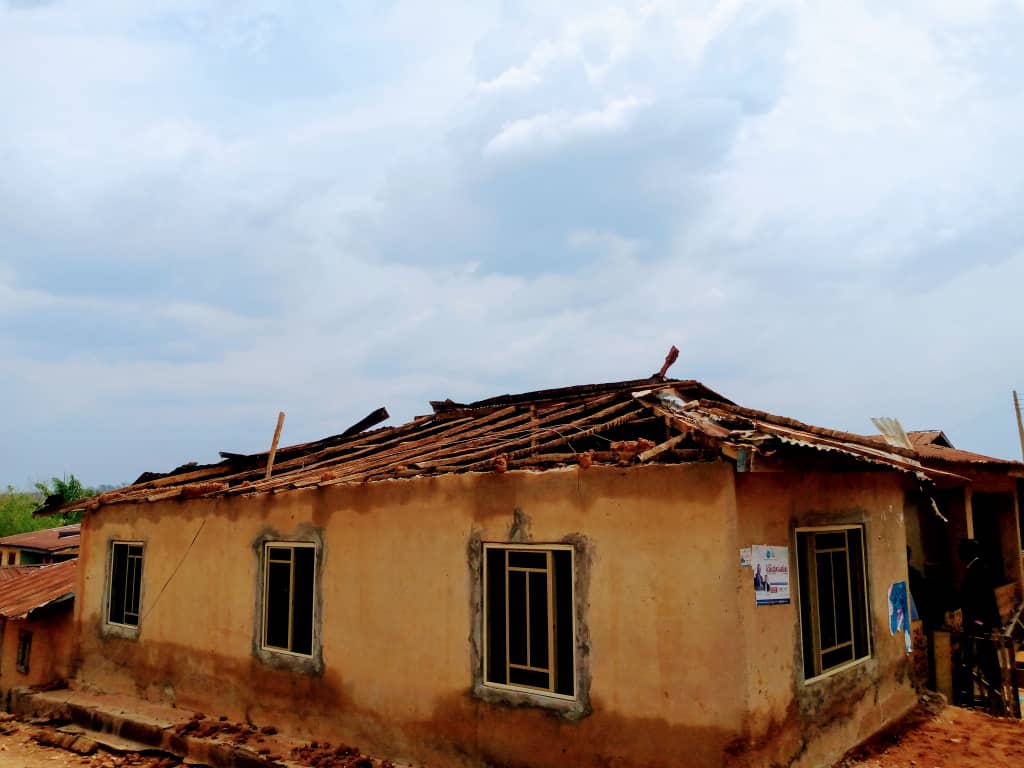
[(771, 574)]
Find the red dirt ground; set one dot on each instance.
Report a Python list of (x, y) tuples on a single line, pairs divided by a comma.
[(952, 738)]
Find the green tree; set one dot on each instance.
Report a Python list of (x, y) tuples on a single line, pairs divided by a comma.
[(58, 492), (16, 510)]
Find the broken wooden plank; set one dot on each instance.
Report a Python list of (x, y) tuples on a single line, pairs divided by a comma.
[(273, 445), (657, 450)]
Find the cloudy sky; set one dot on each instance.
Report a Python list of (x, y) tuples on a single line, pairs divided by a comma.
[(212, 211)]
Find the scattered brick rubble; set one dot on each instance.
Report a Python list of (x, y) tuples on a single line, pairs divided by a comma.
[(325, 755), (248, 736)]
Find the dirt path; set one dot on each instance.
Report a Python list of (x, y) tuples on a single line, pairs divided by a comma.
[(18, 749), (953, 738)]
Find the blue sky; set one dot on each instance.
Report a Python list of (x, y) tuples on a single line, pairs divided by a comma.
[(212, 211)]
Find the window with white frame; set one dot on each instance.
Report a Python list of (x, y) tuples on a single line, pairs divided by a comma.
[(124, 596), (289, 590), (529, 634), (833, 597)]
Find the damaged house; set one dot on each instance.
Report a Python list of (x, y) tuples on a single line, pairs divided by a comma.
[(544, 579)]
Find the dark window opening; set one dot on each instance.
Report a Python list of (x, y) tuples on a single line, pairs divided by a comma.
[(24, 651), (993, 517), (125, 584), (289, 591), (529, 618), (10, 557), (833, 598)]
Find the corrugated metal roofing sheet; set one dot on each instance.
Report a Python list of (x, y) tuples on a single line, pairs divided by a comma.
[(921, 437), (23, 590), (47, 540), (957, 456), (933, 445)]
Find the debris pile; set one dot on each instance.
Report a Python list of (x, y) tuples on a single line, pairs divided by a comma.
[(325, 755)]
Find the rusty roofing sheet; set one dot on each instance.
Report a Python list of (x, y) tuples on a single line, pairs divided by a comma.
[(932, 445), (919, 437), (47, 540), (955, 455), (32, 588), (759, 429)]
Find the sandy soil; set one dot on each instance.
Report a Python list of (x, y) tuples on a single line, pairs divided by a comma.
[(19, 750), (952, 738)]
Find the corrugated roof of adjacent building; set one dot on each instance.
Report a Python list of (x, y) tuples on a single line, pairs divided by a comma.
[(933, 445), (27, 589), (47, 540), (921, 437)]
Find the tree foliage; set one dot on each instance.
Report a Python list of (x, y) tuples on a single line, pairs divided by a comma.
[(60, 491), (16, 513), (16, 507)]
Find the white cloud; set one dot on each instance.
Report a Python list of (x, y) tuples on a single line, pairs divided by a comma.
[(556, 128), (531, 72)]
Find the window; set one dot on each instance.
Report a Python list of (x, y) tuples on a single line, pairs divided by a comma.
[(833, 598), (528, 618), (125, 593), (288, 597), (11, 557), (24, 651)]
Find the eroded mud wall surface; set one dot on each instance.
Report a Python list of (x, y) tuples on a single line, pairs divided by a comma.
[(662, 662), (793, 722), (50, 651)]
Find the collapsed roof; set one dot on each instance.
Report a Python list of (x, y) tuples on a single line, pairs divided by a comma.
[(644, 421)]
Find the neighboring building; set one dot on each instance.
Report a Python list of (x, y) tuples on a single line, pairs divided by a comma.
[(545, 579), (51, 545), (986, 508), (35, 624)]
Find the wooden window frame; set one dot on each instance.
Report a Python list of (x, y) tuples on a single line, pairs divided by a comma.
[(24, 656), (810, 613), (548, 550), (265, 598), (141, 559)]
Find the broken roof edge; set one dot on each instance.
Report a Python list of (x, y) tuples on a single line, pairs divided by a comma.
[(834, 434), (578, 392), (813, 437)]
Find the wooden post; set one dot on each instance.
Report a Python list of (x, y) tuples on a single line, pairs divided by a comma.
[(942, 657), (1020, 424), (273, 445)]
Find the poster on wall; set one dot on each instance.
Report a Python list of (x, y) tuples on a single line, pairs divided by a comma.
[(745, 557), (899, 613), (771, 574)]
